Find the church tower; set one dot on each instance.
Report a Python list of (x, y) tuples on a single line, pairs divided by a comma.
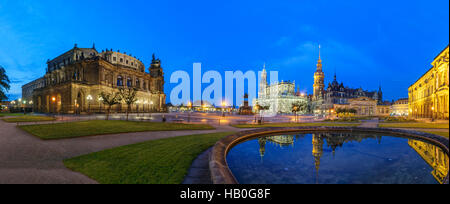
[(318, 80), (263, 83)]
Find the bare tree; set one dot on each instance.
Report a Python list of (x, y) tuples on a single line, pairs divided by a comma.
[(110, 99), (129, 97)]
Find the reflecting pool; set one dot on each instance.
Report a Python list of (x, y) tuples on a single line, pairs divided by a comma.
[(337, 158)]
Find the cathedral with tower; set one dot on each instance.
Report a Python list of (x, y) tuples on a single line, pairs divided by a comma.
[(336, 95)]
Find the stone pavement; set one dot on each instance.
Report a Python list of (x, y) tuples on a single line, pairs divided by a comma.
[(370, 123), (28, 159), (199, 171)]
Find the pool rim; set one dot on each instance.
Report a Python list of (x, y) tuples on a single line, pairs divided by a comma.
[(221, 173)]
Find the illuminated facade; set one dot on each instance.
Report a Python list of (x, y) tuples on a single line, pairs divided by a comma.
[(75, 79), (364, 106), (428, 96), (400, 107), (434, 156), (317, 99), (279, 97)]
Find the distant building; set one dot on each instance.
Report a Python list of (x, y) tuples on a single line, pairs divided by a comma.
[(400, 107), (384, 108), (428, 96), (364, 106), (338, 95), (317, 99), (280, 96), (27, 90), (74, 80)]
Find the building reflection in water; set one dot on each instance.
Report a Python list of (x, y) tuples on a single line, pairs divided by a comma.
[(433, 155)]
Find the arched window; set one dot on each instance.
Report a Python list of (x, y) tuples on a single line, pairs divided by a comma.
[(138, 83), (129, 82), (119, 81)]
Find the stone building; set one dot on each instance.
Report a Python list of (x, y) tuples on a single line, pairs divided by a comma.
[(400, 107), (384, 108), (364, 106), (317, 99), (75, 79), (27, 90), (279, 97), (428, 96), (337, 93)]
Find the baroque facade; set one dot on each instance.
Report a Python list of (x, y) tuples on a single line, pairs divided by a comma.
[(428, 96), (74, 80), (400, 107), (279, 96)]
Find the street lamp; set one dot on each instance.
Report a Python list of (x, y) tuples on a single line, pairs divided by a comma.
[(143, 107), (432, 113), (54, 105), (224, 104), (189, 104), (100, 100), (137, 107), (89, 98), (151, 105)]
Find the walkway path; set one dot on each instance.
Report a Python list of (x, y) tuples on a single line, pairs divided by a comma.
[(369, 123), (28, 159)]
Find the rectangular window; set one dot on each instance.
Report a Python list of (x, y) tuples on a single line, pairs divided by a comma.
[(121, 59), (114, 59)]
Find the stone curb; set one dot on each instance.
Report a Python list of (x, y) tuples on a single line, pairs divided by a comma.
[(221, 174)]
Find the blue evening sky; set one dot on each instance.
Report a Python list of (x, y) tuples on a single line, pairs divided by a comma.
[(368, 43)]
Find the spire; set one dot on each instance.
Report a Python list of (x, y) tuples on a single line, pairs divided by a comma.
[(319, 51), (93, 46), (319, 63)]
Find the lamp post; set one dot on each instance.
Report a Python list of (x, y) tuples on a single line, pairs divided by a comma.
[(432, 113), (24, 104), (137, 107), (54, 105), (224, 104), (31, 103), (189, 111), (143, 107), (89, 98), (151, 106), (100, 100)]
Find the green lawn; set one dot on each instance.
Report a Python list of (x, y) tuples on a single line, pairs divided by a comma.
[(295, 125), (164, 161), (101, 127), (415, 125), (28, 118), (10, 114)]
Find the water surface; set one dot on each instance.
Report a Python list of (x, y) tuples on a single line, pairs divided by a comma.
[(337, 158)]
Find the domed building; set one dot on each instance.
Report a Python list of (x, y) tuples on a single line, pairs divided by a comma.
[(74, 80)]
